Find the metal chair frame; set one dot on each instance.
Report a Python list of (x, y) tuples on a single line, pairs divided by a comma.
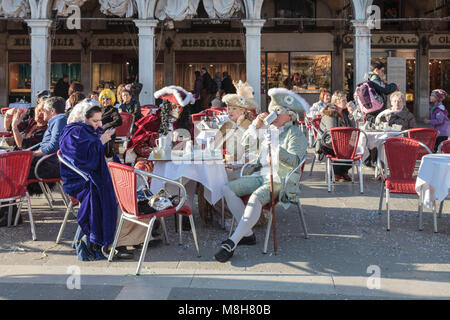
[(71, 204), (124, 139), (298, 203), (383, 187), (132, 218), (331, 178)]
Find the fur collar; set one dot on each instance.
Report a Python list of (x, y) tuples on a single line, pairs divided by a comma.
[(331, 111)]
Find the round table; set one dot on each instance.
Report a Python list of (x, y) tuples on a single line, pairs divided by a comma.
[(433, 182), (210, 173), (374, 139)]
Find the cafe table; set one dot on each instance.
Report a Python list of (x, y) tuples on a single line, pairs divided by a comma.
[(433, 182), (201, 167)]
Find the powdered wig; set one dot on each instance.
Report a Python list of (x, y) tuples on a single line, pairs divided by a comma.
[(81, 112)]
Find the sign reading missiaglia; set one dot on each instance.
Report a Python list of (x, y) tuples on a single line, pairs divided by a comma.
[(218, 41)]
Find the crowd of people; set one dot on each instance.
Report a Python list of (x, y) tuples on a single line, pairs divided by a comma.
[(83, 128)]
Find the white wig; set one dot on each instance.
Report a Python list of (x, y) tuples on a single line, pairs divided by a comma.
[(78, 113)]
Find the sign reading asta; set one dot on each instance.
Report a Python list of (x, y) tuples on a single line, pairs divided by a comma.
[(387, 40)]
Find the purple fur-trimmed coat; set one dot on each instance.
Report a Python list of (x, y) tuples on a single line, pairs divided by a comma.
[(439, 119)]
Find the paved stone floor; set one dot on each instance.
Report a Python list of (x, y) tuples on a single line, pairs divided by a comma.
[(347, 242)]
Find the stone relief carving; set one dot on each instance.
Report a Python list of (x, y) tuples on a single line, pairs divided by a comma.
[(15, 8), (120, 8), (62, 6)]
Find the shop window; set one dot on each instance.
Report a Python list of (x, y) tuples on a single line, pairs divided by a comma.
[(310, 72), (106, 76), (299, 71), (20, 77), (185, 72), (295, 9), (73, 70), (277, 69), (440, 76)]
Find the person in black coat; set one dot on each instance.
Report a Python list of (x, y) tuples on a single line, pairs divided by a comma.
[(227, 84), (110, 118), (62, 87)]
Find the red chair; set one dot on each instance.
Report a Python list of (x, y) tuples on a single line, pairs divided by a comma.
[(124, 181), (425, 135), (124, 131), (345, 142), (444, 147), (14, 169), (269, 207), (314, 124), (401, 155), (4, 109), (146, 111)]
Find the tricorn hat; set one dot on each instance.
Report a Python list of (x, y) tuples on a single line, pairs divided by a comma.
[(288, 99), (176, 95)]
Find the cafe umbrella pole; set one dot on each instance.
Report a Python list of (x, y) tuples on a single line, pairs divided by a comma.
[(272, 201)]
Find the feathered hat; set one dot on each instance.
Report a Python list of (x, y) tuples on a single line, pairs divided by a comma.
[(286, 98), (243, 98), (176, 95)]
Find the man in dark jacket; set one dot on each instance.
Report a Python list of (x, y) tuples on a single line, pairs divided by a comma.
[(227, 84), (62, 87)]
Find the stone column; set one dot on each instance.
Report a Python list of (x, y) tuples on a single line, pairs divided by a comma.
[(338, 65), (253, 56), (147, 59), (86, 66), (40, 56), (169, 60), (361, 51), (4, 79), (422, 97)]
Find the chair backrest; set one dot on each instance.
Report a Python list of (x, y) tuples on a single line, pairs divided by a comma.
[(146, 111), (124, 181), (444, 147), (4, 109), (401, 156), (344, 141), (425, 135), (124, 130), (14, 171), (316, 123), (198, 116)]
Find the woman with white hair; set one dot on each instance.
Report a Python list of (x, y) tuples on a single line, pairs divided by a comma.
[(398, 113), (81, 145)]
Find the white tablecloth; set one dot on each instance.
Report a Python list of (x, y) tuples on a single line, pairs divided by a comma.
[(20, 105), (375, 138), (434, 178), (211, 174)]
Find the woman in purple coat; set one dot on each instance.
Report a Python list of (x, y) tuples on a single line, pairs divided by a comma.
[(439, 116)]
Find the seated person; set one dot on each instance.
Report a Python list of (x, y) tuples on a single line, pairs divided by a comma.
[(229, 138), (398, 113), (130, 105), (324, 100), (53, 108), (110, 118), (73, 101), (287, 154), (93, 95), (173, 115), (218, 100), (335, 115), (27, 133), (82, 145)]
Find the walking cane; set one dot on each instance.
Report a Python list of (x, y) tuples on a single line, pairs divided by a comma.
[(272, 201)]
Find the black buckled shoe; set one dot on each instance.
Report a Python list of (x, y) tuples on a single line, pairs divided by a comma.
[(123, 253), (248, 241), (226, 251)]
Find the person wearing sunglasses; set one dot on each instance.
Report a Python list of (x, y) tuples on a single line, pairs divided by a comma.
[(110, 118)]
